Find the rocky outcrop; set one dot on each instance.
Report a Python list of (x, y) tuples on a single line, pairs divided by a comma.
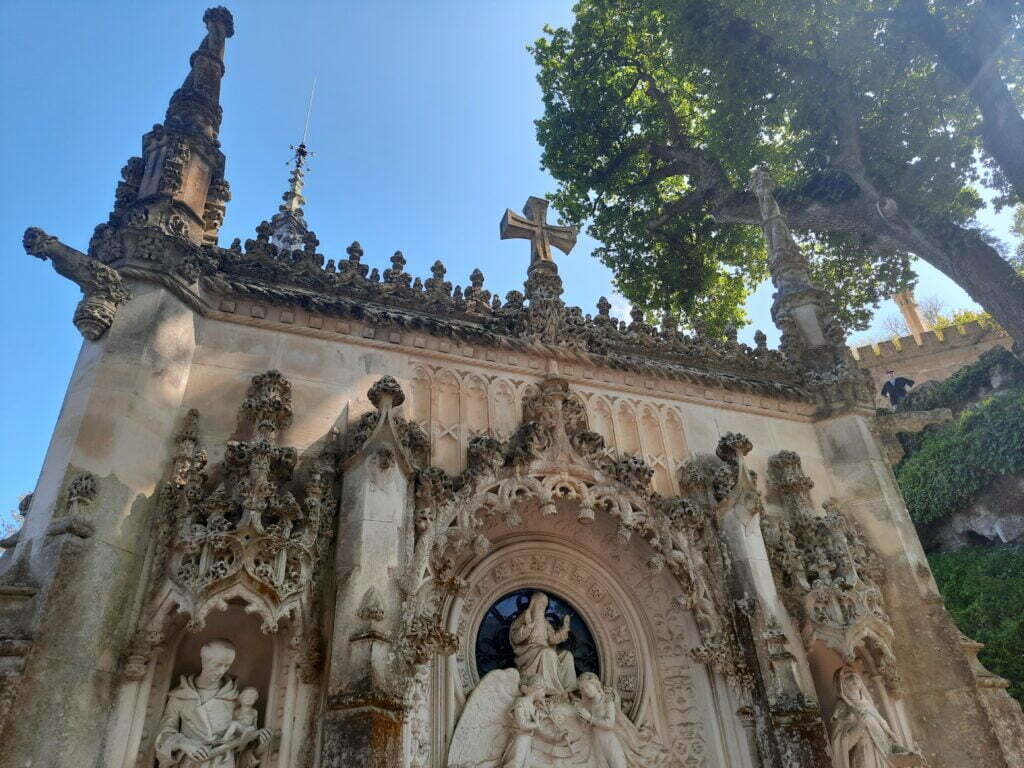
[(995, 517)]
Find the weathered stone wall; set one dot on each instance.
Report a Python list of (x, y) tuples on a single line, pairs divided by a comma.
[(456, 391), (132, 390), (931, 356)]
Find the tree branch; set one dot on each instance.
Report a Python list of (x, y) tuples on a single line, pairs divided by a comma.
[(974, 67)]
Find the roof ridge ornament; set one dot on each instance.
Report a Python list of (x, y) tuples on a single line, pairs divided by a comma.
[(533, 226), (289, 229)]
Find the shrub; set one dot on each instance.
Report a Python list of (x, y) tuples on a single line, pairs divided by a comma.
[(964, 385), (950, 465), (984, 592)]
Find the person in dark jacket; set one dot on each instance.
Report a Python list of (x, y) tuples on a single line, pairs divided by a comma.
[(895, 388)]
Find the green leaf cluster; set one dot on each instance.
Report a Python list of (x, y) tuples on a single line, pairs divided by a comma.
[(984, 592), (656, 110), (950, 465), (965, 385)]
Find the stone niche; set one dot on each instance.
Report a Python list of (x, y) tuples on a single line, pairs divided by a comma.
[(687, 713), (265, 661)]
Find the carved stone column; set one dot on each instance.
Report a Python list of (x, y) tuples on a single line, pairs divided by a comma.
[(926, 643), (784, 698), (365, 703)]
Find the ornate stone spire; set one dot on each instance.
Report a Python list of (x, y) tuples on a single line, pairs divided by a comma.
[(289, 230), (195, 107), (801, 310), (177, 187)]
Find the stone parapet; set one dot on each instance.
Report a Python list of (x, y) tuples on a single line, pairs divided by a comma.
[(930, 356)]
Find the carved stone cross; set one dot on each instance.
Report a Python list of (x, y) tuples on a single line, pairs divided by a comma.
[(533, 226)]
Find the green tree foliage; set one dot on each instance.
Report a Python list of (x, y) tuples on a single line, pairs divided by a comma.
[(953, 464), (984, 591), (656, 110)]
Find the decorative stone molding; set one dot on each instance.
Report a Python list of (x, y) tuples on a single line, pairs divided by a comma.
[(531, 468), (103, 288), (828, 574), (246, 530)]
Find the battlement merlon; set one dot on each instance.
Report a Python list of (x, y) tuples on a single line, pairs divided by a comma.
[(911, 345)]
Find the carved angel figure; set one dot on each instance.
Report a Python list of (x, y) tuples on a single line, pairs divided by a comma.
[(202, 727), (513, 724), (534, 641), (614, 741), (529, 724), (861, 738)]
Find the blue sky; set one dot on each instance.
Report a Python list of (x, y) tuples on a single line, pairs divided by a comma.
[(422, 129)]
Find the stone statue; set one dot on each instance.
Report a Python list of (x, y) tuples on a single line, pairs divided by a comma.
[(861, 738), (529, 724), (206, 722), (534, 641), (614, 741), (528, 717)]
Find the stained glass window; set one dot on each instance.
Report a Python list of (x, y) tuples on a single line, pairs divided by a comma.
[(494, 651)]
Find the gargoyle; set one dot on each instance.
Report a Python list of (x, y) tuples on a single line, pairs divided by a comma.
[(103, 287)]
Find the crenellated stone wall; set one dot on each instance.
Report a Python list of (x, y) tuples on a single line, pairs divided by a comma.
[(931, 356)]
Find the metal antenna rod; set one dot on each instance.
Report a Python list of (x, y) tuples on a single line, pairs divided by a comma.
[(309, 110)]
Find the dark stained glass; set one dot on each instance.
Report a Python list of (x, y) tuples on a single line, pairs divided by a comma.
[(494, 651)]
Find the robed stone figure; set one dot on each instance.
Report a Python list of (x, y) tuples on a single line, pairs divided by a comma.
[(861, 738), (535, 643), (196, 727)]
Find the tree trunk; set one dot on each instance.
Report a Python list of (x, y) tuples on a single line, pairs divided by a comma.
[(978, 268)]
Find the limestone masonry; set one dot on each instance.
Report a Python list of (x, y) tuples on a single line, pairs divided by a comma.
[(305, 512)]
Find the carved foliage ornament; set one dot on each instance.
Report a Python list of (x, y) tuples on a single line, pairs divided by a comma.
[(256, 523), (530, 470), (825, 568)]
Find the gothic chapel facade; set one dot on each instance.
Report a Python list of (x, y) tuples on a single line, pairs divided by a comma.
[(301, 513)]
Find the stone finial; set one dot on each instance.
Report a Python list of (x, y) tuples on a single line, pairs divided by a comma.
[(263, 232), (103, 287), (386, 394), (802, 310), (786, 474), (355, 252), (732, 446), (760, 340), (437, 288), (397, 275), (604, 307), (269, 401), (290, 230), (195, 106), (533, 226), (476, 279)]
